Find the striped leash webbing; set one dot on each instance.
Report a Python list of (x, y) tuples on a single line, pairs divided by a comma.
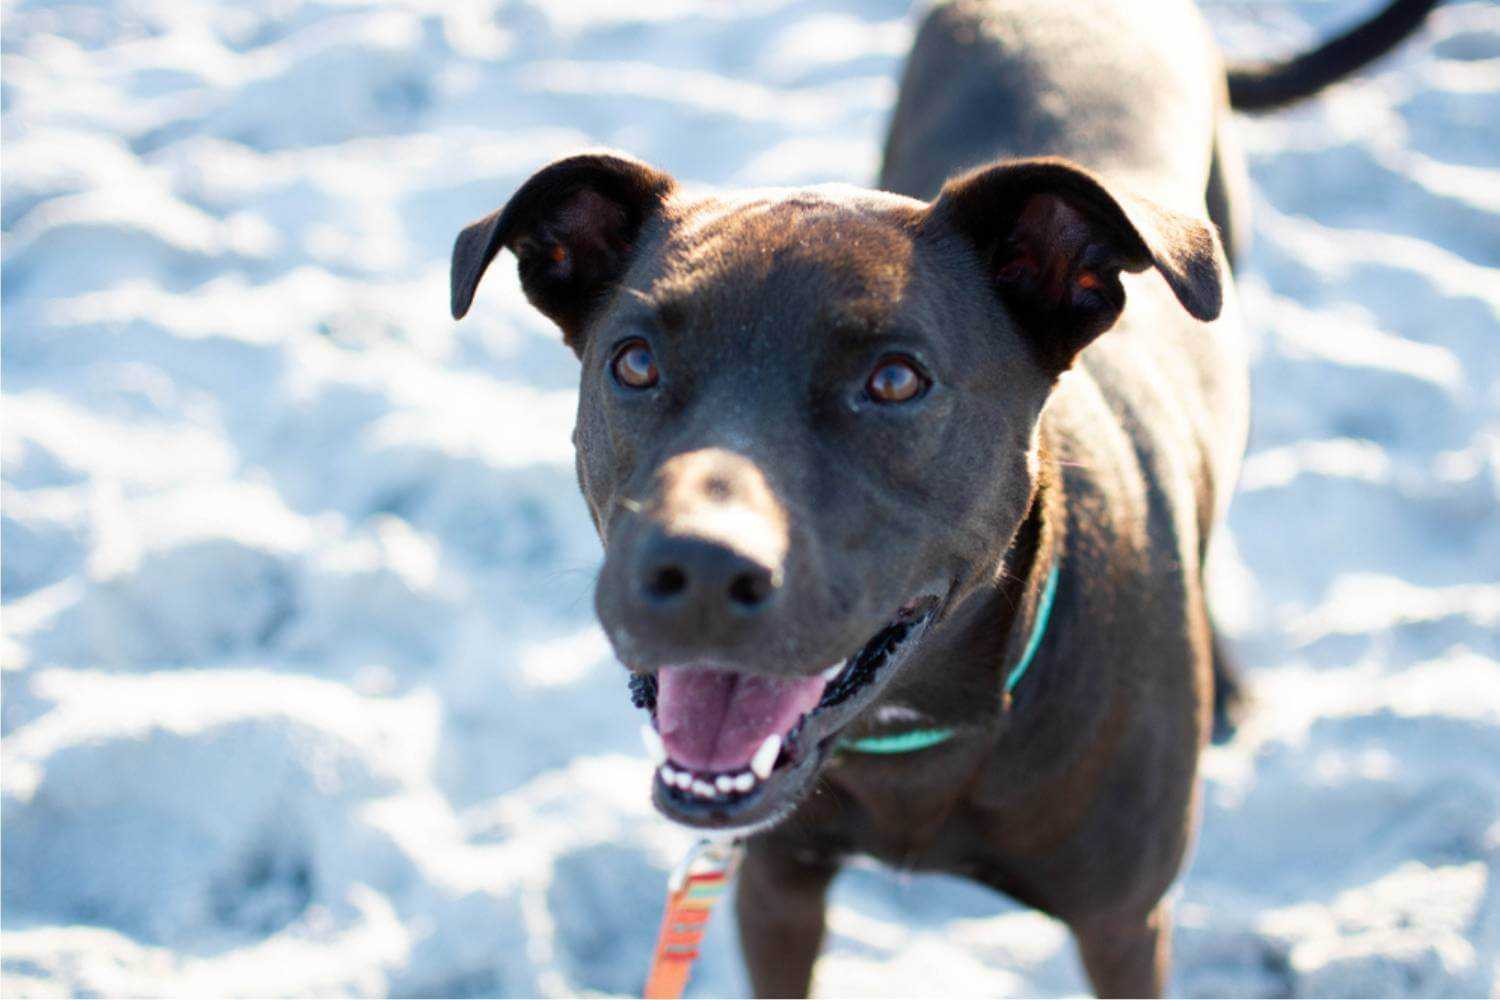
[(693, 889)]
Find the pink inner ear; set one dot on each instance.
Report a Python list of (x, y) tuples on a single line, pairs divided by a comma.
[(587, 227), (1049, 238)]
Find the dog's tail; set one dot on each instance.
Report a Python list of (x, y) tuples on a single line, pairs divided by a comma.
[(1264, 86)]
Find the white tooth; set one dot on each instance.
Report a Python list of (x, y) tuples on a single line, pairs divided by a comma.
[(744, 781), (765, 757), (668, 775), (651, 740), (704, 790), (683, 780), (834, 670), (724, 783)]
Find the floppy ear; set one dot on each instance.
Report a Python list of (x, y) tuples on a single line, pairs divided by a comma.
[(1054, 240), (572, 227)]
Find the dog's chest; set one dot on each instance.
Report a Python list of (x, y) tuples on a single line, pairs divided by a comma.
[(909, 811)]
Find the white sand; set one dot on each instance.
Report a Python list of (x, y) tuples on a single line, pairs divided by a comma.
[(302, 690)]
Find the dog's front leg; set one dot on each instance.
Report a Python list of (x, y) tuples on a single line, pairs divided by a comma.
[(780, 903), (1127, 956)]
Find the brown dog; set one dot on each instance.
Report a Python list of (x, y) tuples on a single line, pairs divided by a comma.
[(870, 479)]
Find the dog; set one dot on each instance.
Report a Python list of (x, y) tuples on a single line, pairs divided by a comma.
[(905, 494)]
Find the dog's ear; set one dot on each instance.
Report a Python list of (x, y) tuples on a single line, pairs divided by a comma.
[(572, 227), (1054, 240)]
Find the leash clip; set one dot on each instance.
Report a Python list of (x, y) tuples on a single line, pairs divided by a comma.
[(709, 856)]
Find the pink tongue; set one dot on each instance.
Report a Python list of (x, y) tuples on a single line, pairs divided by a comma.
[(715, 720)]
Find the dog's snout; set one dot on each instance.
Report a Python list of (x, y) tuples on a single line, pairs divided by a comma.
[(701, 570), (703, 580)]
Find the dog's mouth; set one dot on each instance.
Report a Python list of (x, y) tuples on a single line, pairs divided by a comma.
[(733, 749)]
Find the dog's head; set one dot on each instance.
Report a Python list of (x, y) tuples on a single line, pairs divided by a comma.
[(806, 424)]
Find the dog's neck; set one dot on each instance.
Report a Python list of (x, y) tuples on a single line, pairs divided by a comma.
[(957, 682), (1033, 567), (1006, 620)]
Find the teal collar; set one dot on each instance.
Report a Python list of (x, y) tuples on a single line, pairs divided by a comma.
[(921, 739)]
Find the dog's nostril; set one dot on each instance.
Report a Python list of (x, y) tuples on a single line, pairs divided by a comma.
[(666, 582), (750, 590)]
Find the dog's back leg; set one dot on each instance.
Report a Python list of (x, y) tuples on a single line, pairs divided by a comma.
[(1230, 699), (1228, 193)]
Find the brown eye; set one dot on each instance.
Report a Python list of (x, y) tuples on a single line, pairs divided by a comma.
[(634, 367), (897, 380)]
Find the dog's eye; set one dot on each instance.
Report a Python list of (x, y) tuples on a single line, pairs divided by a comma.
[(633, 366), (896, 380)]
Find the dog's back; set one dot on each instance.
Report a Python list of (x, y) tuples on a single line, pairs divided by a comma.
[(1132, 89), (1129, 88)]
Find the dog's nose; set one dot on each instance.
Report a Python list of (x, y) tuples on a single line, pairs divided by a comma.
[(699, 569), (703, 580)]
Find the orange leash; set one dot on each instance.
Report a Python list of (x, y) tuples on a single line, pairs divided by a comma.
[(692, 891)]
